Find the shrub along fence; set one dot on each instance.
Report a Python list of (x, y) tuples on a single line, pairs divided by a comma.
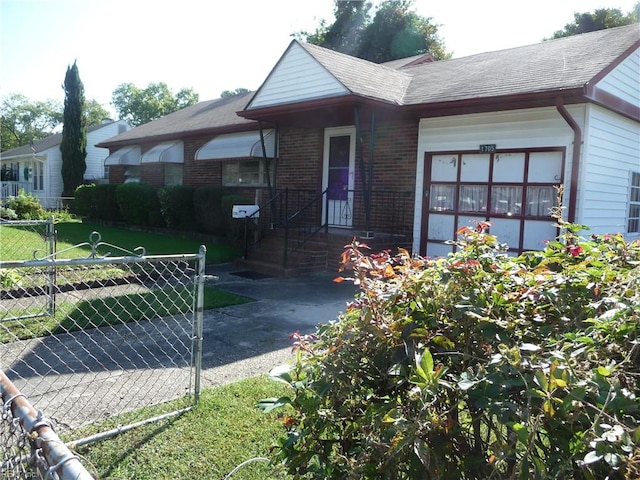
[(205, 209), (125, 333)]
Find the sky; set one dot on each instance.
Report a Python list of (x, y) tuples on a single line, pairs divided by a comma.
[(211, 46)]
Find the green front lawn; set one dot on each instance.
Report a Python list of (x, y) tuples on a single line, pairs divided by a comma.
[(224, 430), (19, 243), (73, 233)]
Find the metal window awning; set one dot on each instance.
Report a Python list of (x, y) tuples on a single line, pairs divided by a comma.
[(165, 152), (124, 156), (237, 145)]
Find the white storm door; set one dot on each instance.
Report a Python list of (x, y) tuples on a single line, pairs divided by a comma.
[(338, 175)]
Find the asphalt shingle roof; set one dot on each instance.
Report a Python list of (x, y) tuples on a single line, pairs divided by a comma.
[(207, 115), (553, 65)]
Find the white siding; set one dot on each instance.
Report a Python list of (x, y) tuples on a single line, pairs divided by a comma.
[(53, 185), (539, 127), (623, 80), (296, 77), (96, 155), (611, 150)]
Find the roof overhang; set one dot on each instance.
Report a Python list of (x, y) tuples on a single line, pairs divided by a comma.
[(238, 145), (165, 152), (124, 156)]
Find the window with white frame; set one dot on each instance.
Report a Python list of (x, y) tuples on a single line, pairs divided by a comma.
[(246, 172), (633, 225)]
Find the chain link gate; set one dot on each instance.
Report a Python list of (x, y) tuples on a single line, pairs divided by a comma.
[(125, 333)]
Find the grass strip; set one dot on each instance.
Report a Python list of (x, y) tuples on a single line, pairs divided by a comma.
[(100, 312), (224, 430)]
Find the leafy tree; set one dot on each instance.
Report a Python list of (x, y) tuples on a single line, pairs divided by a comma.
[(398, 32), (232, 93), (138, 106), (344, 34), (24, 121), (95, 113), (599, 19), (395, 31), (74, 132)]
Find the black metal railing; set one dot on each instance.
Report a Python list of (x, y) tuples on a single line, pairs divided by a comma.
[(302, 214)]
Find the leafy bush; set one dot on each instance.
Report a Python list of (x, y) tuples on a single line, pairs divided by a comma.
[(84, 204), (26, 206), (138, 204), (106, 202), (176, 204), (8, 214), (208, 209), (10, 278), (474, 366)]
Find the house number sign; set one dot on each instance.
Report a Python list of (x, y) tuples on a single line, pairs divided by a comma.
[(489, 148)]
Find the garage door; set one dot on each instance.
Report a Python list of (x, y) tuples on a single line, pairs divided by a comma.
[(514, 190)]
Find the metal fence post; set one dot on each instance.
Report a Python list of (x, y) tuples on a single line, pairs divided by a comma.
[(199, 320), (51, 236)]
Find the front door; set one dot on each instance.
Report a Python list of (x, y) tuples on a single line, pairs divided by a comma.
[(338, 173)]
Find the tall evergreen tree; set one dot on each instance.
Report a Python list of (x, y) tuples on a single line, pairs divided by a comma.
[(74, 132)]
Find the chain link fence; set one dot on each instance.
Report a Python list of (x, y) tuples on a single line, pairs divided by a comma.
[(26, 239), (103, 336), (32, 449)]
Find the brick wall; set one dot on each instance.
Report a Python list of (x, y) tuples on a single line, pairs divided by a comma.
[(300, 162), (201, 172)]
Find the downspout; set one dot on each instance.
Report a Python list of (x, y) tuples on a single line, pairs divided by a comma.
[(575, 160)]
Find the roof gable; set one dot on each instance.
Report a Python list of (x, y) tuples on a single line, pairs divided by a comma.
[(297, 76), (308, 72)]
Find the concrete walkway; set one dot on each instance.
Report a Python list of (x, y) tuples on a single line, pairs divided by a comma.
[(250, 339)]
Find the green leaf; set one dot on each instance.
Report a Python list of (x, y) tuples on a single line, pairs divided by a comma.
[(268, 404), (466, 384), (522, 432), (426, 362), (604, 371), (282, 373), (541, 380), (592, 457)]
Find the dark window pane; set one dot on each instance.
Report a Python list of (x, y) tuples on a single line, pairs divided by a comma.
[(339, 151)]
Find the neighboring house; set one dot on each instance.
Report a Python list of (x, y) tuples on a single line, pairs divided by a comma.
[(412, 150), (37, 168)]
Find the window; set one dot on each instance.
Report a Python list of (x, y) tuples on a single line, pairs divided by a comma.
[(504, 189), (634, 204), (172, 174), (514, 190), (250, 173), (38, 176)]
